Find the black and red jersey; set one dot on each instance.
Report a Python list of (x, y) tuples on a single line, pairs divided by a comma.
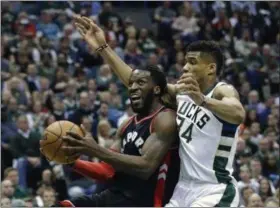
[(158, 189)]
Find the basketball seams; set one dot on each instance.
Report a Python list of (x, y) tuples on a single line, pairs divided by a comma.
[(57, 146), (52, 141), (58, 139)]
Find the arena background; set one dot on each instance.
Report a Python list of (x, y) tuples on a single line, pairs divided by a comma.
[(48, 73)]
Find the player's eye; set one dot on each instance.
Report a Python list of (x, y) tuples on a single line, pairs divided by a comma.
[(141, 82)]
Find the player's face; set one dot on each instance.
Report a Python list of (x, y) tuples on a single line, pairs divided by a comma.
[(199, 67), (140, 90)]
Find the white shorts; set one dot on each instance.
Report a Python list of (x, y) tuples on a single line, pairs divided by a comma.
[(200, 194)]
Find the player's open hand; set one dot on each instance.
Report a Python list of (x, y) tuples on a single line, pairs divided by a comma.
[(187, 84), (90, 32), (78, 144)]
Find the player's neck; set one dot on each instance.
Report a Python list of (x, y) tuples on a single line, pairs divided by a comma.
[(155, 105), (207, 84)]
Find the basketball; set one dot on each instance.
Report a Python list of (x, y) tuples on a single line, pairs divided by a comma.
[(52, 141)]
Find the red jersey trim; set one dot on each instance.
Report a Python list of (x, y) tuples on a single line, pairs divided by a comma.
[(147, 117)]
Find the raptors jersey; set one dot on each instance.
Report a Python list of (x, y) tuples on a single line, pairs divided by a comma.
[(207, 143), (158, 189)]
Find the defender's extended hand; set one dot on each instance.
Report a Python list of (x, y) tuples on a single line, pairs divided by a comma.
[(90, 32)]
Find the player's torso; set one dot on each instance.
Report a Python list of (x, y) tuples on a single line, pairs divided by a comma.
[(206, 142), (134, 137)]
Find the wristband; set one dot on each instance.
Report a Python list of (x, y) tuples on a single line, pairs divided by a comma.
[(101, 48)]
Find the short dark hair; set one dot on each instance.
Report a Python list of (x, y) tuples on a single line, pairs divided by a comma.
[(158, 77), (213, 49)]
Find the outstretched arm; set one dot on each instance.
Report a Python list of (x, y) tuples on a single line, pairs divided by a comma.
[(153, 151), (94, 36)]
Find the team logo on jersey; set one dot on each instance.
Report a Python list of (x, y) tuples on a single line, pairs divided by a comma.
[(194, 113), (132, 138)]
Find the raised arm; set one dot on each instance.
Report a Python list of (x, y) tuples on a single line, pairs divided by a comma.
[(94, 36), (153, 151)]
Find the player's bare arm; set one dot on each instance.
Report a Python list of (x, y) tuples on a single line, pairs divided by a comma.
[(225, 102), (153, 151), (94, 36)]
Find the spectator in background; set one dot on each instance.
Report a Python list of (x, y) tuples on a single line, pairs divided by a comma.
[(47, 27), (49, 198), (246, 192), (270, 169), (127, 114), (104, 77), (108, 15), (164, 16), (176, 69), (50, 180), (104, 131), (256, 137), (12, 175), (245, 45), (5, 202), (145, 43), (85, 109), (246, 180), (263, 149), (7, 189), (25, 147), (186, 24), (265, 189), (255, 201), (133, 55)]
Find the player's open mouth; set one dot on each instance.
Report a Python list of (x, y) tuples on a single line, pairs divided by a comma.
[(135, 98)]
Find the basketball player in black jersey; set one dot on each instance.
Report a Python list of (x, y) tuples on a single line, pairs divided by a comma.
[(144, 155)]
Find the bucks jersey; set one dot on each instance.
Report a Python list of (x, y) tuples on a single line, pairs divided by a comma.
[(207, 143)]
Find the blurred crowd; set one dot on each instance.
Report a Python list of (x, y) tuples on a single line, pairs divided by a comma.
[(48, 73)]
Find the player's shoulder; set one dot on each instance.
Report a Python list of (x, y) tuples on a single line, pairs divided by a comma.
[(166, 117), (225, 89)]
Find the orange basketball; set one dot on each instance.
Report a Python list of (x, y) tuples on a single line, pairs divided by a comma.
[(52, 141)]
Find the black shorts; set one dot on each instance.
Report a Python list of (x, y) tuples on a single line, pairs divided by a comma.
[(107, 198)]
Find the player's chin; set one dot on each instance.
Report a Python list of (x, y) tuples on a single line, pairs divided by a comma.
[(137, 107)]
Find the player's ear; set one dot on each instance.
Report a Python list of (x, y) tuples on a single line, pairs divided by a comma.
[(157, 90), (212, 68)]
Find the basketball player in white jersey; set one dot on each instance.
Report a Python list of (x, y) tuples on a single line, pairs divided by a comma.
[(208, 116)]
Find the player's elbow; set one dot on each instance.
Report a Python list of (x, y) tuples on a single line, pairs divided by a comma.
[(147, 170), (239, 115)]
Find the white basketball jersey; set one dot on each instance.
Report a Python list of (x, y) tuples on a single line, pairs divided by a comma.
[(207, 145)]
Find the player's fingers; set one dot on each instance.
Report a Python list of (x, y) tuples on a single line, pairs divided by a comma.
[(80, 20), (186, 75), (87, 20), (188, 80), (81, 27), (191, 87), (94, 26), (70, 140), (74, 135), (81, 32), (75, 150)]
